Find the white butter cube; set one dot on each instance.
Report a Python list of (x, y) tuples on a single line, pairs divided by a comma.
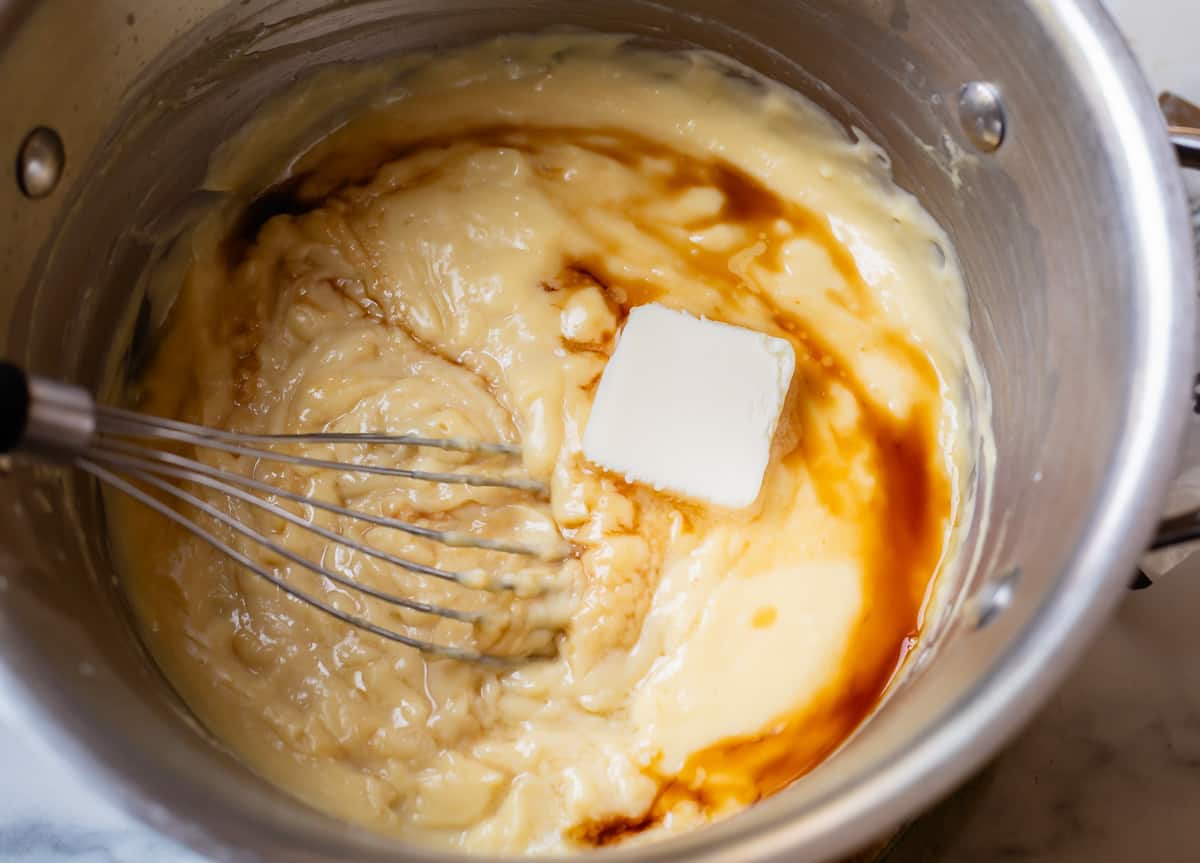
[(690, 406)]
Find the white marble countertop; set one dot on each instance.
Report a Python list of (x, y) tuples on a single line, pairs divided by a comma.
[(1109, 772)]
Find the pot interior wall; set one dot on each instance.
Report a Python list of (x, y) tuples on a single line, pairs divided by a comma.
[(1035, 225)]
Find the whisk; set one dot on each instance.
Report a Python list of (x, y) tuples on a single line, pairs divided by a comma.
[(52, 421)]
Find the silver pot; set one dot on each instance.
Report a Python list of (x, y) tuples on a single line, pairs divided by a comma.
[(1053, 176)]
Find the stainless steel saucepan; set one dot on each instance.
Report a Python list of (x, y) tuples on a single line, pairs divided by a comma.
[(1025, 128)]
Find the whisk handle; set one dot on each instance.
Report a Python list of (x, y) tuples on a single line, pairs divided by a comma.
[(43, 416), (14, 406)]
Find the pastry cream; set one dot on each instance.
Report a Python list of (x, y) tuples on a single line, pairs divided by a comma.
[(455, 260)]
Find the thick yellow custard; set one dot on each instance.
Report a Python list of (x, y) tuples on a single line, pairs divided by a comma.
[(457, 260)]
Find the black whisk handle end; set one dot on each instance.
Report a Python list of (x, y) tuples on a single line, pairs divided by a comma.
[(14, 405)]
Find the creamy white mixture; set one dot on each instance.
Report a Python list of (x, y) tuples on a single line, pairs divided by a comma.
[(456, 261)]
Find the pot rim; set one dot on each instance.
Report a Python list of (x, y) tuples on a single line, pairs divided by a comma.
[(1002, 701)]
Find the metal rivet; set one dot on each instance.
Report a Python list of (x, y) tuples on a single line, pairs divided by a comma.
[(994, 597), (40, 162), (981, 113)]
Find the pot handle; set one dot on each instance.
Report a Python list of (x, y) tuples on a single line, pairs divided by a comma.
[(1187, 145), (1184, 132), (1185, 527)]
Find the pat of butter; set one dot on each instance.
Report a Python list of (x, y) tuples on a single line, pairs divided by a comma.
[(690, 405)]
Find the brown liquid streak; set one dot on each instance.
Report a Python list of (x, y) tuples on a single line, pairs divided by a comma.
[(904, 523)]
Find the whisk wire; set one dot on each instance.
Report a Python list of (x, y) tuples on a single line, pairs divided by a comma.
[(109, 418), (127, 429), (163, 462), (107, 476), (60, 423)]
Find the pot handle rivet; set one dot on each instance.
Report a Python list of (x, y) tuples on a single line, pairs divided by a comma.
[(981, 113), (40, 162)]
